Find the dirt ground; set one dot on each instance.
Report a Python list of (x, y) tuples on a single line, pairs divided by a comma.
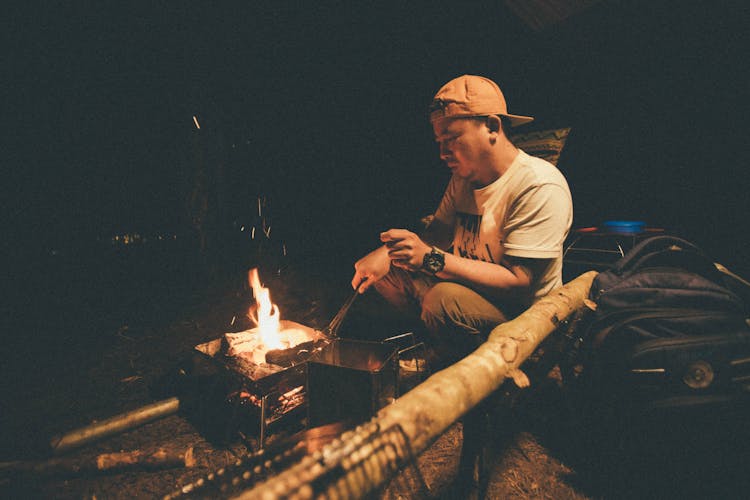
[(542, 445)]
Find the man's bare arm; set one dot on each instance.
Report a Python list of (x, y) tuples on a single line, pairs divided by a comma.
[(407, 250), (512, 276), (438, 233)]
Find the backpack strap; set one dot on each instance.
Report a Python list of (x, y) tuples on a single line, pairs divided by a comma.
[(654, 245)]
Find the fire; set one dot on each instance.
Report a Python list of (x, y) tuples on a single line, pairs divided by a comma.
[(271, 332), (266, 315)]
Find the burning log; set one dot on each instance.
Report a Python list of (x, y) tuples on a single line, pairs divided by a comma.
[(291, 356), (287, 341), (364, 459), (273, 341)]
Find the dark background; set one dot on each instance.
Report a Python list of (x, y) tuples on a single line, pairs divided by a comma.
[(321, 108)]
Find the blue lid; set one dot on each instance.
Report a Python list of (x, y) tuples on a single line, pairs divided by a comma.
[(624, 226)]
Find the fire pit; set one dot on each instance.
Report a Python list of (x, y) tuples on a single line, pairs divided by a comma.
[(280, 367), (263, 367), (263, 392)]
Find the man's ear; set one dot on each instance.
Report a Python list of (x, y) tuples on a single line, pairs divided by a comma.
[(494, 124)]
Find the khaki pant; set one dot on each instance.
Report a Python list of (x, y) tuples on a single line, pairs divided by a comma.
[(457, 318)]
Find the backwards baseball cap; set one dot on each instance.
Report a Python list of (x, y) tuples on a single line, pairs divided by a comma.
[(471, 95)]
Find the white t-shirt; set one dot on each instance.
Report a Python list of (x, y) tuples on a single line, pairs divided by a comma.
[(527, 212)]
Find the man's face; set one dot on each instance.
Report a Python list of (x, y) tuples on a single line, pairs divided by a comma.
[(464, 146)]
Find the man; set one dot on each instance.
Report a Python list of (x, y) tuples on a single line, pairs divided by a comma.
[(504, 213)]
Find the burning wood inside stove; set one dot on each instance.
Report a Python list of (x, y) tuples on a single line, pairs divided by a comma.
[(293, 345), (274, 344)]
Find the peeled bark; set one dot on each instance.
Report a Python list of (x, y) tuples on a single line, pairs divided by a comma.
[(364, 459)]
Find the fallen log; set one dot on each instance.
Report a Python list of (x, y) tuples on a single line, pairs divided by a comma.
[(365, 458), (113, 425), (161, 458)]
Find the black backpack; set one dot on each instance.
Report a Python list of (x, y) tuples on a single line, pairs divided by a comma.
[(669, 329)]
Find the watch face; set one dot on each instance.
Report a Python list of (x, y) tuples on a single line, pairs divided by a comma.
[(434, 262)]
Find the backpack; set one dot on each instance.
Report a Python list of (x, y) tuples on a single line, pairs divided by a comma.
[(669, 329)]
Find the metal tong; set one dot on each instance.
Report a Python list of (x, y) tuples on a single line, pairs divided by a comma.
[(332, 330)]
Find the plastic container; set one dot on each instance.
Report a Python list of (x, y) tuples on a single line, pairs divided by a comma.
[(624, 226)]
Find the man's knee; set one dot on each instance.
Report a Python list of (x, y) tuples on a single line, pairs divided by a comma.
[(454, 306), (440, 305)]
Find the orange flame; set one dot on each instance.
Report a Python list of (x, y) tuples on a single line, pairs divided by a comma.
[(266, 314)]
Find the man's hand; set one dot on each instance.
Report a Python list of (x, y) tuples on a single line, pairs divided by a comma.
[(405, 249), (370, 269)]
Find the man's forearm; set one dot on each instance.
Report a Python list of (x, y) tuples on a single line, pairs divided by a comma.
[(492, 278)]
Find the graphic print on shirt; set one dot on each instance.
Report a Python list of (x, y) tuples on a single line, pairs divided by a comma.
[(467, 238)]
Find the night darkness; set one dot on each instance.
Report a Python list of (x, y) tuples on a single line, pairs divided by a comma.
[(323, 110), (320, 109)]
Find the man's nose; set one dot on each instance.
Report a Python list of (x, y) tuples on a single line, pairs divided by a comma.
[(445, 151)]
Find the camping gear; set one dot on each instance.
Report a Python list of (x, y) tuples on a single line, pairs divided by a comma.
[(351, 380), (668, 329)]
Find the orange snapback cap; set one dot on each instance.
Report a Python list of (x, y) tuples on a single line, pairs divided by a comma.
[(471, 95)]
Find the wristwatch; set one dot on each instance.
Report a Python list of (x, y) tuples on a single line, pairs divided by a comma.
[(433, 262)]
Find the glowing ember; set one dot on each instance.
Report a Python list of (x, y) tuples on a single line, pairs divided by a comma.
[(266, 313)]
